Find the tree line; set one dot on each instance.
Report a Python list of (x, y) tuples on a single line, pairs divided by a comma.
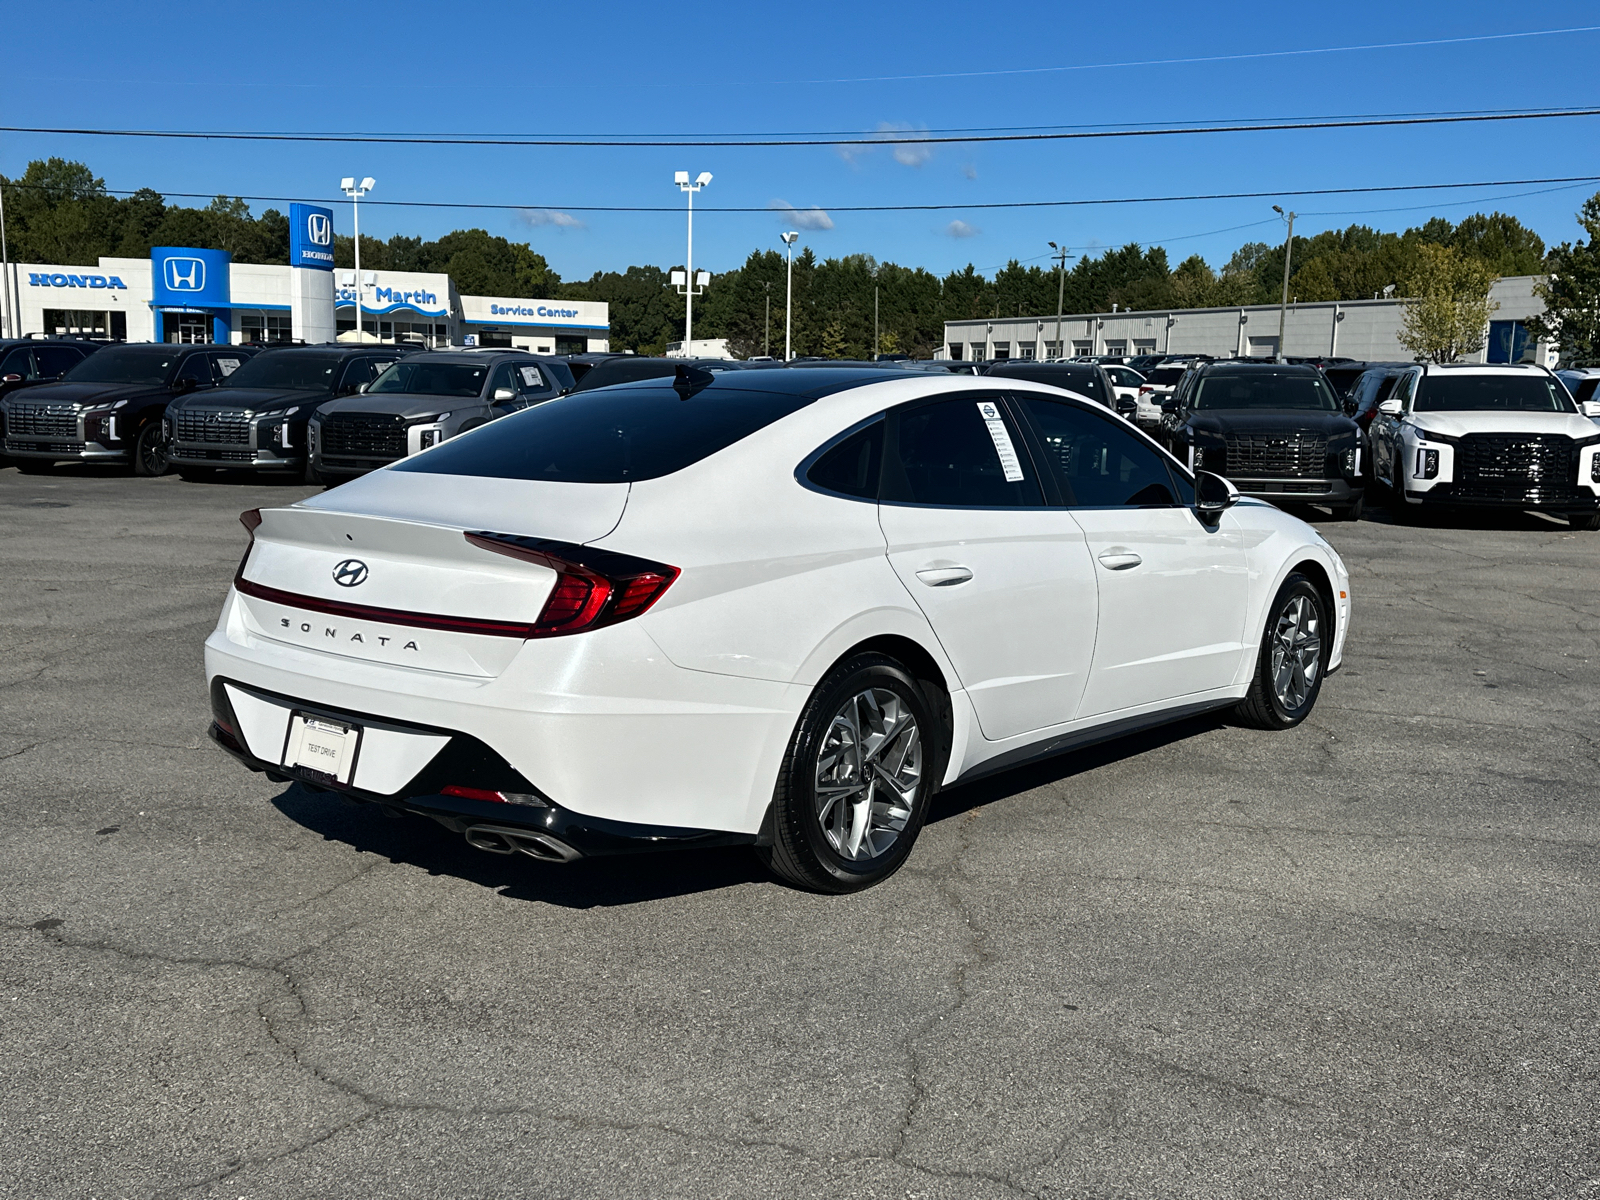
[(58, 211)]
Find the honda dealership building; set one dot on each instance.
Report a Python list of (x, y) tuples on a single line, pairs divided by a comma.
[(182, 294)]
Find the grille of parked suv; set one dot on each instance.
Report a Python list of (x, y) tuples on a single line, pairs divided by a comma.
[(1509, 466), (43, 420), (217, 425), (1277, 456), (368, 435), (207, 454)]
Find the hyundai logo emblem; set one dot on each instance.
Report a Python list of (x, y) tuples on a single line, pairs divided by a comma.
[(185, 274), (350, 572), (319, 230)]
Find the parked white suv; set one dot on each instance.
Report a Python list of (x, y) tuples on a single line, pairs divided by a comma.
[(1469, 435)]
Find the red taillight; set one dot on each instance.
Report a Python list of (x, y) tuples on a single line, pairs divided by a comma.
[(593, 587), (1146, 388), (467, 793)]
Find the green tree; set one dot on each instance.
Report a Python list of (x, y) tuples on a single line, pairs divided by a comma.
[(1571, 294), (1447, 313)]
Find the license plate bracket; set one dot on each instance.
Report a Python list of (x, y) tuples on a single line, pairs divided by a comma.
[(323, 747)]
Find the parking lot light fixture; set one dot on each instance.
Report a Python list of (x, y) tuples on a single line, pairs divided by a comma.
[(789, 240), (693, 284), (1288, 251), (355, 191)]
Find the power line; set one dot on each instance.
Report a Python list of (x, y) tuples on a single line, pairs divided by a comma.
[(856, 208), (880, 138)]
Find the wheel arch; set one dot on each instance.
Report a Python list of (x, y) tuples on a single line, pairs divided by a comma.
[(930, 676)]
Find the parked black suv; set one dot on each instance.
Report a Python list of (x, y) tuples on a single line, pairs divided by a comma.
[(25, 362), (1087, 379), (257, 420), (424, 399), (1275, 430), (108, 408)]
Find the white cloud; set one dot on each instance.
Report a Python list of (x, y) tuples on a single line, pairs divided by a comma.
[(802, 218), (894, 133), (970, 171), (538, 217), (960, 229)]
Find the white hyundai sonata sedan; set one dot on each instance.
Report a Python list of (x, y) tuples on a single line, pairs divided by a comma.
[(774, 607)]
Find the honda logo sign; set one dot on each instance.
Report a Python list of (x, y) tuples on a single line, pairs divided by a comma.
[(310, 237), (185, 275), (319, 229)]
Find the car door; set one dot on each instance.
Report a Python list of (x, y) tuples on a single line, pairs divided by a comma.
[(1384, 432), (1004, 578), (194, 372), (1172, 590)]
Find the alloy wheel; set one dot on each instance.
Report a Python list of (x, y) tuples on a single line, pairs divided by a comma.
[(1296, 652), (869, 767)]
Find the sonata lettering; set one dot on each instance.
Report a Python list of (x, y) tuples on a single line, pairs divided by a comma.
[(306, 627)]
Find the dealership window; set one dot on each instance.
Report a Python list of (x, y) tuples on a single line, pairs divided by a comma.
[(1144, 345), (1002, 350), (1509, 343), (1052, 349), (980, 351), (1083, 347), (187, 328), (62, 321), (955, 351), (1117, 347), (267, 327), (1027, 349)]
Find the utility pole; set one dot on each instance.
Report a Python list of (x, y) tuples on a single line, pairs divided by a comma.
[(766, 341), (789, 239), (875, 348), (1288, 251), (9, 325), (1061, 291)]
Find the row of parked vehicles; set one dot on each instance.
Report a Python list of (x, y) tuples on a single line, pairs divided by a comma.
[(1293, 432)]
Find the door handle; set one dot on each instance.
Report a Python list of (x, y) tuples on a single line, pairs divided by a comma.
[(944, 576), (1119, 560)]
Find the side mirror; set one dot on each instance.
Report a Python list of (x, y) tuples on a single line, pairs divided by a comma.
[(185, 385), (1170, 404), (503, 395), (1213, 495), (1390, 408), (1350, 406), (1591, 408), (362, 387), (11, 379)]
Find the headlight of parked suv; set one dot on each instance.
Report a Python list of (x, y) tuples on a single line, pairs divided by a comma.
[(1427, 466), (1350, 462)]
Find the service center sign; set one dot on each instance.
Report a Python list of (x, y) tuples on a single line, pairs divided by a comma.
[(310, 237), (190, 278)]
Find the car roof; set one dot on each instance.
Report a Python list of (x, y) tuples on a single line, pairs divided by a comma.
[(814, 383), (1229, 366), (476, 357), (1484, 368)]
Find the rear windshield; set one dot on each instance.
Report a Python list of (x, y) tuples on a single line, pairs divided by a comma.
[(1273, 391), (432, 379), (125, 365), (1488, 393), (627, 370), (622, 434), (1162, 376), (288, 371)]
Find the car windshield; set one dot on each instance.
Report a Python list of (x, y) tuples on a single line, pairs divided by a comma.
[(1491, 393), (128, 364), (432, 378), (1269, 391), (620, 435), (287, 370), (1162, 376)]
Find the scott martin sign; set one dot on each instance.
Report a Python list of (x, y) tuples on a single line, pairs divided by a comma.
[(185, 277), (310, 237)]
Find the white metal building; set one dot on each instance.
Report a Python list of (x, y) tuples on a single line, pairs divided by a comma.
[(1359, 329)]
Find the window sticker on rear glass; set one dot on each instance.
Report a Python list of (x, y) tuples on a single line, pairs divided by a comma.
[(531, 377), (1009, 463), (228, 366)]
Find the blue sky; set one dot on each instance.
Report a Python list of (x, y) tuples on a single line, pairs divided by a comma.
[(716, 67)]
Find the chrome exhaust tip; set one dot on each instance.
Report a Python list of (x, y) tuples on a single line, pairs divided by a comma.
[(503, 839)]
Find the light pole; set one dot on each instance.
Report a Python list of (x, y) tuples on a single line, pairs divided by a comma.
[(9, 323), (1061, 291), (691, 285), (766, 340), (789, 239), (355, 191), (875, 348), (1288, 250)]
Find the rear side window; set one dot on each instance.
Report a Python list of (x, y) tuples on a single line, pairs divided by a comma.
[(620, 435), (852, 467), (959, 453)]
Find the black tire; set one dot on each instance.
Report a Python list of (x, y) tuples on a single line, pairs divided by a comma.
[(150, 450), (313, 476), (196, 474), (1592, 524), (811, 837), (1350, 512), (35, 466), (1268, 704)]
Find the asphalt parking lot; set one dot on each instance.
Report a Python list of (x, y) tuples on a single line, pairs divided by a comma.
[(1355, 960)]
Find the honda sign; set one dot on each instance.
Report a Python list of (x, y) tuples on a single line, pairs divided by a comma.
[(310, 237), (186, 277)]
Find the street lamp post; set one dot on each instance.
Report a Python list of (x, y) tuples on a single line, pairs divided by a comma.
[(766, 339), (1288, 250), (789, 239), (9, 326), (1061, 291), (692, 285), (355, 191)]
